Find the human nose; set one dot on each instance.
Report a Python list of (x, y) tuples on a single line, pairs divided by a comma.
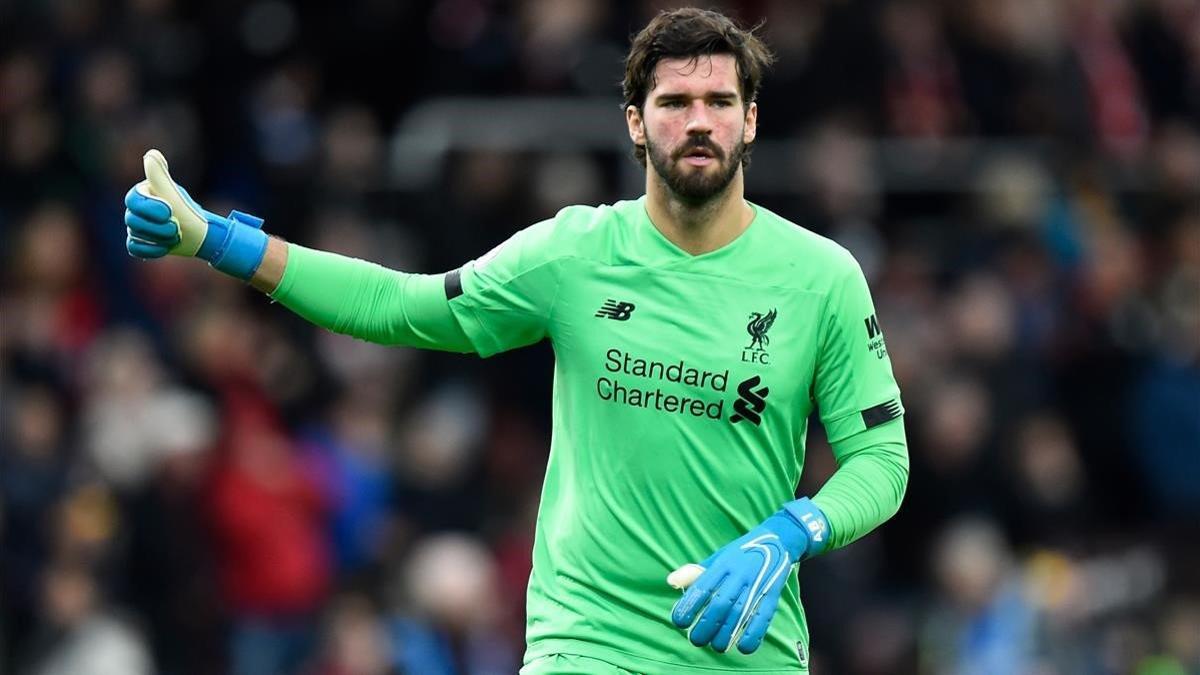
[(698, 119)]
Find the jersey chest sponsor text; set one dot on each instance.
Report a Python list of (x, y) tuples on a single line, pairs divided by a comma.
[(702, 355)]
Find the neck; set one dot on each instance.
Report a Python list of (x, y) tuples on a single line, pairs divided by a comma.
[(698, 228)]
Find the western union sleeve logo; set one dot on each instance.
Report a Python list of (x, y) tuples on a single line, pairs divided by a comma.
[(872, 327), (875, 341)]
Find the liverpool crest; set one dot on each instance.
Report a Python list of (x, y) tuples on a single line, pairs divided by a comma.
[(757, 327)]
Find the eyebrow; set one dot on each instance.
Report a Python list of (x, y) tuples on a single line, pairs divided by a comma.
[(715, 95)]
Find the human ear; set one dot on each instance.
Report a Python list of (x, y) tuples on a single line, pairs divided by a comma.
[(637, 127), (750, 129)]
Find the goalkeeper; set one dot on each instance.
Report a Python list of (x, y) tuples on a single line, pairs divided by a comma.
[(694, 333)]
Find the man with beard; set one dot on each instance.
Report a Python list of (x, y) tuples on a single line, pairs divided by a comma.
[(689, 278)]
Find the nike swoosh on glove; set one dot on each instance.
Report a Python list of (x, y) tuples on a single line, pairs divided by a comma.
[(732, 596)]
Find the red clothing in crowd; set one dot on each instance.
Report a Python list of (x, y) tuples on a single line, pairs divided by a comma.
[(268, 518)]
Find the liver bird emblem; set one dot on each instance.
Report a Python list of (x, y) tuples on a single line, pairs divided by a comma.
[(757, 328)]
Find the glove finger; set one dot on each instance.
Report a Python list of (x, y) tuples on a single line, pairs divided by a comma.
[(141, 249), (761, 612), (697, 596), (684, 576), (714, 615), (166, 233), (149, 207), (724, 635)]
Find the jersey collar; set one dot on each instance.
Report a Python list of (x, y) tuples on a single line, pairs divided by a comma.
[(656, 241)]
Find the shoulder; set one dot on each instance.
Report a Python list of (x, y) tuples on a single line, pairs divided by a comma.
[(807, 249), (580, 231), (583, 220)]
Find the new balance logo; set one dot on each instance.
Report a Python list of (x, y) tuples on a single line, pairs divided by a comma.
[(617, 311), (751, 401)]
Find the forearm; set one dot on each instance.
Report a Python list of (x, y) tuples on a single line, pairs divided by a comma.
[(868, 486), (270, 271), (361, 299)]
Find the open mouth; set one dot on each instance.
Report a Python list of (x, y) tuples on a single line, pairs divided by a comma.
[(699, 156)]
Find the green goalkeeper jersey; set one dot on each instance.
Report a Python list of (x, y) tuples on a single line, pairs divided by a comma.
[(683, 386)]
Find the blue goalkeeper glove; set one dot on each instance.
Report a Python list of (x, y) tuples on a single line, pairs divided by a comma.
[(736, 590), (162, 218)]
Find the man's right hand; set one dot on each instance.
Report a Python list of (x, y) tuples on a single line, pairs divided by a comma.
[(161, 218)]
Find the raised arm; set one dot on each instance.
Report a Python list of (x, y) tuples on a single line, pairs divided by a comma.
[(342, 294), (359, 298)]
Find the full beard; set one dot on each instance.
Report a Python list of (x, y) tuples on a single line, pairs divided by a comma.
[(695, 186)]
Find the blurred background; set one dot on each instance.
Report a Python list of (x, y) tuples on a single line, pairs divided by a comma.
[(194, 481)]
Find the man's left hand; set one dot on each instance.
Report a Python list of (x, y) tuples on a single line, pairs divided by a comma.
[(738, 587)]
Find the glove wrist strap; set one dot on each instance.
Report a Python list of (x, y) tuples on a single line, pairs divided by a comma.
[(813, 522), (234, 245)]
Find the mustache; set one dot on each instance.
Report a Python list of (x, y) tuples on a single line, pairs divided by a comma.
[(698, 143)]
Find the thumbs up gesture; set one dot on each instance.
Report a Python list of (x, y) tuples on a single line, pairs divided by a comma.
[(161, 218)]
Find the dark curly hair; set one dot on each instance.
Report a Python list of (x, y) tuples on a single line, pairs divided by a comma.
[(692, 33)]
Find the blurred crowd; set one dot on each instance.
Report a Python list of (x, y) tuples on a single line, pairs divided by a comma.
[(194, 481)]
